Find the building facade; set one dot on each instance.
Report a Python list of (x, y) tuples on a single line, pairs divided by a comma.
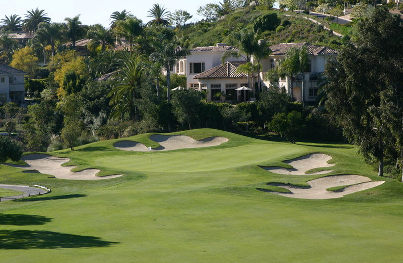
[(303, 86), (11, 85)]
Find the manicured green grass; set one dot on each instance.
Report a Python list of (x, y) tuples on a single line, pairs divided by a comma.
[(8, 192), (200, 205)]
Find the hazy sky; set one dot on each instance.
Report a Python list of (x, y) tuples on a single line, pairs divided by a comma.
[(97, 11)]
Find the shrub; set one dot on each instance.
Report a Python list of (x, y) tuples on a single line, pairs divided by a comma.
[(288, 125), (266, 22), (9, 150), (279, 29)]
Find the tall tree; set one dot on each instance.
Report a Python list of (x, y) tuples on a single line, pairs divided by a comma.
[(159, 15), (25, 59), (179, 17), (261, 51), (126, 93), (33, 18), (187, 106), (119, 16), (295, 61), (129, 29), (12, 23), (48, 34), (74, 29), (166, 51), (7, 47), (101, 36), (365, 86), (246, 41)]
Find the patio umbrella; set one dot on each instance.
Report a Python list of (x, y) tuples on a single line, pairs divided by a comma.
[(178, 88), (244, 91), (243, 88)]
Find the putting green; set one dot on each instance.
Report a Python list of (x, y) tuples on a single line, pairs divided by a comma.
[(196, 160), (200, 205)]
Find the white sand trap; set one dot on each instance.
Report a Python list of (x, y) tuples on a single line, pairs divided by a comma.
[(170, 142), (303, 164), (317, 190), (47, 164)]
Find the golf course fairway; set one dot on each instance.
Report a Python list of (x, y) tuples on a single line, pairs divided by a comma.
[(210, 204)]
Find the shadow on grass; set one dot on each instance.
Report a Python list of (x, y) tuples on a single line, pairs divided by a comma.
[(57, 197), (23, 220), (93, 149), (25, 239), (329, 146)]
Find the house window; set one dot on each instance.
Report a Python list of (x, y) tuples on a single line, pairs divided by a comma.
[(313, 92), (215, 86), (194, 85), (272, 64), (308, 66), (197, 68), (171, 67), (11, 80), (2, 79), (3, 98), (203, 86), (230, 91)]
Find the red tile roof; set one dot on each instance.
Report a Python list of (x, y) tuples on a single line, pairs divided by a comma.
[(227, 70), (218, 47), (281, 49)]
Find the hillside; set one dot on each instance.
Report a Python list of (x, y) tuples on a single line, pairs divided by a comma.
[(293, 28)]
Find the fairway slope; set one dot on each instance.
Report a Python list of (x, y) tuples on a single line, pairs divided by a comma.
[(170, 142), (48, 164), (303, 164), (318, 187)]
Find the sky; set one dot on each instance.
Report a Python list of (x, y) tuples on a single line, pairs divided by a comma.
[(98, 11)]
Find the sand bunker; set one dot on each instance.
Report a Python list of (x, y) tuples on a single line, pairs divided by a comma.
[(47, 164), (317, 189), (170, 142), (303, 164)]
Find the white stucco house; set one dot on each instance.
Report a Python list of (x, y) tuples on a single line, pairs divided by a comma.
[(304, 86), (11, 85), (204, 70)]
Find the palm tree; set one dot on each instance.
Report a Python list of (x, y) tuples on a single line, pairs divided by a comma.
[(48, 34), (129, 29), (125, 94), (7, 47), (74, 29), (12, 23), (33, 18), (247, 41), (295, 61), (261, 51), (101, 36), (159, 15), (166, 53), (119, 16)]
